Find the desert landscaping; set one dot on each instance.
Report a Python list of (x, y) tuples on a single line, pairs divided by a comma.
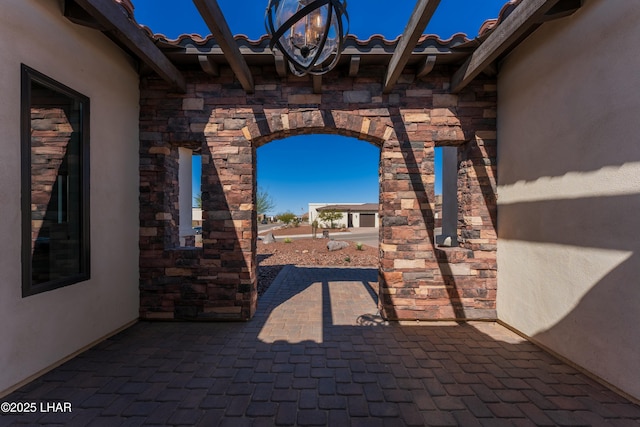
[(272, 257)]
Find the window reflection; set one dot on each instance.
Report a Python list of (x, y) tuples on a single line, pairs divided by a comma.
[(57, 158)]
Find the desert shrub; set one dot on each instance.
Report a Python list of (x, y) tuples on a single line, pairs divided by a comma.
[(330, 216), (287, 218)]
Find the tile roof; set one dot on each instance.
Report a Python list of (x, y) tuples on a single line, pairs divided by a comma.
[(364, 207), (457, 43)]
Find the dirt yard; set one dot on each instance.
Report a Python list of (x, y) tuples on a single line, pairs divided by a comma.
[(273, 257)]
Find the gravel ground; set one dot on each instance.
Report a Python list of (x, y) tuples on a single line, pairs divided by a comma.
[(273, 257)]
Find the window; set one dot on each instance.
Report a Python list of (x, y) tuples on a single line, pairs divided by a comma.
[(55, 184), (449, 189), (185, 196)]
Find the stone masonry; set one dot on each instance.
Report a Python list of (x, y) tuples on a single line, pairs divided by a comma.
[(418, 280)]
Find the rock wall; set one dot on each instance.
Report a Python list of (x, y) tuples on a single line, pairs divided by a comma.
[(417, 279)]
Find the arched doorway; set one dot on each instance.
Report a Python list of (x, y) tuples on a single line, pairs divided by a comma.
[(314, 189)]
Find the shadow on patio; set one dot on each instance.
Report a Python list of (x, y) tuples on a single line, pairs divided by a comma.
[(317, 354)]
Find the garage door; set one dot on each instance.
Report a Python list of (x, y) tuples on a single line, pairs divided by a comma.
[(367, 220)]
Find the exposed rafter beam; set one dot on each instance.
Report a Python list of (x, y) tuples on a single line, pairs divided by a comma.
[(420, 17), (213, 17), (109, 15), (522, 20), (281, 64), (427, 66), (208, 66), (354, 65), (317, 84)]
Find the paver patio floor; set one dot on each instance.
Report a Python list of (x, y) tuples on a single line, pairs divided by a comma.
[(316, 354)]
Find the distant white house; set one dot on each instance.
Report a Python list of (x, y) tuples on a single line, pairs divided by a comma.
[(355, 215), (196, 217)]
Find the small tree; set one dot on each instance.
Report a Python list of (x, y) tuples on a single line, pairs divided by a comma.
[(264, 201), (287, 217), (330, 216), (198, 200)]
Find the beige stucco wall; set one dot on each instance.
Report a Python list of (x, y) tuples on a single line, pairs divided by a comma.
[(569, 189), (39, 330)]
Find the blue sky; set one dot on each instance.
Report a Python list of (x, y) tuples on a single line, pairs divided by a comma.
[(319, 168)]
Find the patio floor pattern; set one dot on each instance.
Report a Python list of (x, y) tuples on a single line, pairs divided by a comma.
[(316, 353)]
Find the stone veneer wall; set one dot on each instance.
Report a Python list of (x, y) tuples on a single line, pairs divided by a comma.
[(417, 279)]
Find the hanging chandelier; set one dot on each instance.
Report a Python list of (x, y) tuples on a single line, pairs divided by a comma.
[(309, 33)]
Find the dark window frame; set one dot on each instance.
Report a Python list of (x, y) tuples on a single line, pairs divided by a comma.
[(28, 77)]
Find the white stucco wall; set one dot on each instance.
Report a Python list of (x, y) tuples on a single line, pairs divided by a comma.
[(569, 189), (342, 222), (313, 214), (40, 330)]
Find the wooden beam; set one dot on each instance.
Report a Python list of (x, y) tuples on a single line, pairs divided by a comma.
[(281, 64), (525, 17), (354, 65), (427, 66), (109, 15), (317, 83), (420, 17), (208, 66), (214, 18)]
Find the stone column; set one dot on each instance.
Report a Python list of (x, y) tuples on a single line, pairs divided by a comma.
[(229, 232), (408, 262)]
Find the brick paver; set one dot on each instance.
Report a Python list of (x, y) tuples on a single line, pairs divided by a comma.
[(316, 353)]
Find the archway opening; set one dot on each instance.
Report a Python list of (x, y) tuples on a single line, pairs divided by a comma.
[(314, 193)]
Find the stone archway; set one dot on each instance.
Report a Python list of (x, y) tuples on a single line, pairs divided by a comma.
[(417, 279)]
